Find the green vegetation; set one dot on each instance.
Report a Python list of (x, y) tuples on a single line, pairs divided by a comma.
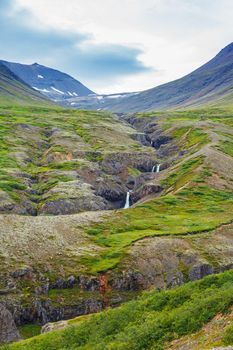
[(226, 147), (149, 322), (44, 148), (29, 330), (228, 335), (189, 136), (30, 150), (182, 174), (218, 115), (194, 209)]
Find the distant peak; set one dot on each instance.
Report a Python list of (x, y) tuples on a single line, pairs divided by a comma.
[(35, 64), (228, 49)]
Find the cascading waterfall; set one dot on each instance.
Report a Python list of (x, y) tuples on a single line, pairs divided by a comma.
[(127, 204), (157, 168)]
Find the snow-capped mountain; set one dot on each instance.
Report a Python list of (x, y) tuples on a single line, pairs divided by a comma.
[(52, 83)]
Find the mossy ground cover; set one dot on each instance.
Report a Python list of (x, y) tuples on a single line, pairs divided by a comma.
[(221, 115), (192, 210), (29, 330), (226, 147), (190, 137), (94, 131), (149, 322), (100, 133)]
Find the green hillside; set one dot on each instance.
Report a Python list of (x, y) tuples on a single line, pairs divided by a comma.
[(150, 322), (211, 84), (66, 248)]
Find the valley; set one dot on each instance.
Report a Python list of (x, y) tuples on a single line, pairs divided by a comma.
[(68, 248), (116, 220)]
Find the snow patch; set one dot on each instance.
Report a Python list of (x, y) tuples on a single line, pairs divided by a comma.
[(40, 76), (43, 90), (69, 93), (114, 96), (59, 91), (74, 93)]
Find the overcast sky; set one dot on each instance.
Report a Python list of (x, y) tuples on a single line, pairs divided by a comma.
[(116, 45)]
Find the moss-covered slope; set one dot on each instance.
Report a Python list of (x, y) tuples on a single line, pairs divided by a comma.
[(150, 322)]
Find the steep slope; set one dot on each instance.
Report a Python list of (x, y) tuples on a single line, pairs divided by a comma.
[(13, 89), (208, 84), (50, 82), (147, 323)]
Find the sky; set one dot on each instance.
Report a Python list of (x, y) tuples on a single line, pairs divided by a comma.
[(116, 45)]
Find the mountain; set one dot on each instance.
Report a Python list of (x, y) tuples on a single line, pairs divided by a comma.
[(50, 82), (209, 84), (13, 89)]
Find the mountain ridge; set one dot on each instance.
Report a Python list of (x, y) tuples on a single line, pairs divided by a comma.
[(14, 89), (208, 84), (52, 83)]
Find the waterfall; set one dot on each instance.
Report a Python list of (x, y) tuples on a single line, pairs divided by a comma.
[(127, 205), (157, 168), (151, 143)]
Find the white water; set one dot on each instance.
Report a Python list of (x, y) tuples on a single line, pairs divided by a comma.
[(127, 205), (157, 168)]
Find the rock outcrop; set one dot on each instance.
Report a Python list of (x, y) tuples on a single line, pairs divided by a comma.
[(8, 330)]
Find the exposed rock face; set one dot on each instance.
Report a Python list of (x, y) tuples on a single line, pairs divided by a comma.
[(8, 330), (158, 140), (49, 327), (127, 281), (170, 261), (199, 271), (72, 206), (118, 163), (146, 190), (114, 192)]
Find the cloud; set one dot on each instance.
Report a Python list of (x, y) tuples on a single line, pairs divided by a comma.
[(123, 45), (107, 61), (72, 52)]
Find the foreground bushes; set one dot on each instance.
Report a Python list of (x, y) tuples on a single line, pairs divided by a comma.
[(146, 323)]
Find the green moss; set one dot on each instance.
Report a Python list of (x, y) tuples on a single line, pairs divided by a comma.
[(29, 330), (228, 335), (188, 137), (183, 174), (71, 296), (168, 215), (134, 172), (226, 147), (94, 157), (69, 165)]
